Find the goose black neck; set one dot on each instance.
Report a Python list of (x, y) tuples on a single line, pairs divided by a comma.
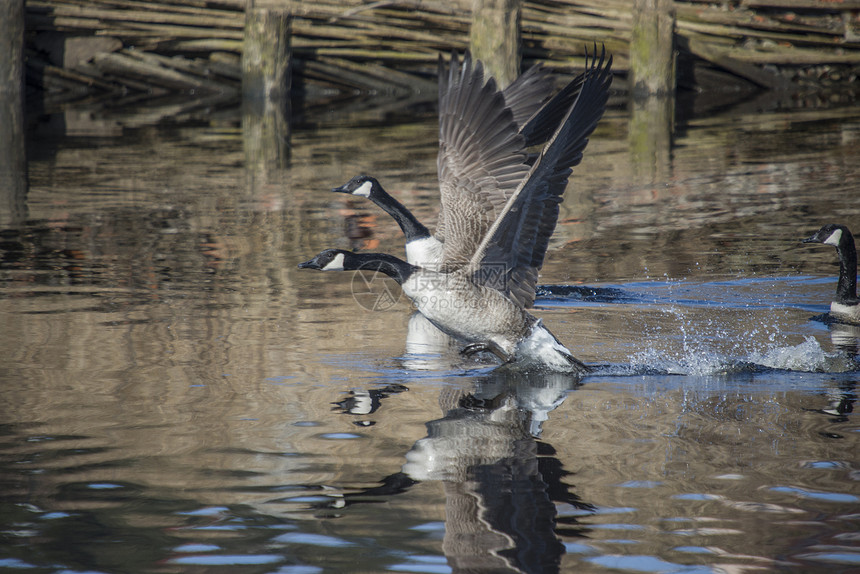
[(395, 268), (412, 228), (846, 290)]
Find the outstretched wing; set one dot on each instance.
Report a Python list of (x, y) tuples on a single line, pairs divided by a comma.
[(512, 252), (544, 121), (481, 160), (528, 93)]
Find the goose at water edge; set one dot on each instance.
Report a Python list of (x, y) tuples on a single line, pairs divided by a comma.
[(479, 197), (846, 306), (480, 292)]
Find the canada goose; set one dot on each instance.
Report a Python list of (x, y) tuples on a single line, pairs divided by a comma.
[(464, 308), (463, 97), (846, 307), (481, 292)]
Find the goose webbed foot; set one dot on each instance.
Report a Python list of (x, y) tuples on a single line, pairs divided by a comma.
[(474, 348)]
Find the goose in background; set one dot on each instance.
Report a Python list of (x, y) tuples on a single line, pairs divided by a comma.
[(846, 306), (464, 189), (480, 292)]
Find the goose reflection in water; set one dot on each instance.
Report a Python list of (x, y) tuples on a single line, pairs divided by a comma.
[(845, 337), (501, 482)]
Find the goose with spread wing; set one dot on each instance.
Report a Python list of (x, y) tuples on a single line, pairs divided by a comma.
[(463, 98), (482, 288)]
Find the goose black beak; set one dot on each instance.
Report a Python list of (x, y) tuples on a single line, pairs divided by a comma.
[(813, 239), (308, 265), (340, 189)]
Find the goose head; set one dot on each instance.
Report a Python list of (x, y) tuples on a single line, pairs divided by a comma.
[(329, 260), (342, 260), (362, 185), (831, 234)]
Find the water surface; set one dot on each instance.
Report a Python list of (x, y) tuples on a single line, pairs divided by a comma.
[(178, 397)]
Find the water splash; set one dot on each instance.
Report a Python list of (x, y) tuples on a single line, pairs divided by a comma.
[(807, 356), (709, 348)]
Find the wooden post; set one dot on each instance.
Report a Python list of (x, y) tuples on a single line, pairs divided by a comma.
[(265, 136), (266, 87), (652, 48), (266, 50), (12, 45), (13, 158), (650, 138), (495, 38)]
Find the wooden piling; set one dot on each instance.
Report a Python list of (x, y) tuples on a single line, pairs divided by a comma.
[(652, 48), (11, 45), (266, 89), (13, 158), (266, 138), (649, 137), (266, 50), (495, 37)]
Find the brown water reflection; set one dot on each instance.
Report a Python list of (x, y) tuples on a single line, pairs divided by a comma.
[(171, 377)]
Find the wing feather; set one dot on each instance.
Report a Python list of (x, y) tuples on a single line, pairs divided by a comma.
[(529, 93), (481, 158), (513, 251)]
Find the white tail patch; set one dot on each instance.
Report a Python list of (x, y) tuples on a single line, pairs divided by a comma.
[(364, 189), (541, 347), (335, 264), (834, 238)]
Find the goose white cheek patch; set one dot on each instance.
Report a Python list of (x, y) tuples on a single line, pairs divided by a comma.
[(363, 190), (834, 238), (335, 264)]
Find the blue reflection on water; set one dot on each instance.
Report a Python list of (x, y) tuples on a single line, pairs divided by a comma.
[(640, 484), (340, 436), (648, 564), (15, 563), (313, 539), (423, 564), (694, 550), (833, 557), (228, 559), (577, 548), (817, 495), (696, 496)]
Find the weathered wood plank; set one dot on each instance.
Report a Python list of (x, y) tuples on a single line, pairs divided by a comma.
[(147, 68), (149, 16), (407, 35), (803, 4)]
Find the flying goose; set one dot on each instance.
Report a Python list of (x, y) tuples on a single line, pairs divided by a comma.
[(462, 98), (481, 291), (846, 307)]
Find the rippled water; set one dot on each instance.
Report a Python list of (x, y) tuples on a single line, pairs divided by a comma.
[(177, 397)]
